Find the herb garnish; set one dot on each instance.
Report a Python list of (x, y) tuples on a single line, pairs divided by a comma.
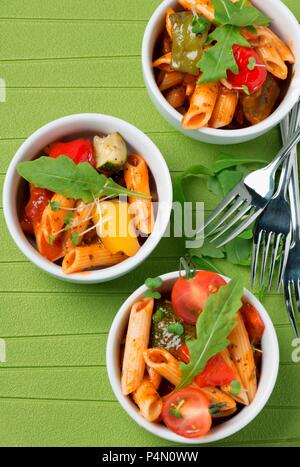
[(215, 407), (199, 24), (175, 413), (235, 388), (213, 326), (54, 205), (245, 89), (75, 238), (153, 283), (251, 63), (176, 328), (240, 13), (68, 220), (63, 176)]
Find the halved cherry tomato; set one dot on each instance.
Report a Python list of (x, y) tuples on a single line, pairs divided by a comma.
[(216, 373), (51, 252), (253, 322), (190, 295), (39, 198), (183, 353), (186, 412), (254, 78), (79, 150)]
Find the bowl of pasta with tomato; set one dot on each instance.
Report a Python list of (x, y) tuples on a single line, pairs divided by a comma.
[(222, 71), (87, 198), (192, 356)]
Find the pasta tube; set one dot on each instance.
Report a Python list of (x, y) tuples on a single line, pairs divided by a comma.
[(200, 6), (274, 63), (170, 80), (81, 221), (154, 377), (53, 221), (164, 62), (136, 177), (176, 96), (137, 340), (242, 354), (227, 404), (265, 36), (88, 257), (242, 396), (170, 12), (148, 400), (164, 363), (201, 106), (224, 109)]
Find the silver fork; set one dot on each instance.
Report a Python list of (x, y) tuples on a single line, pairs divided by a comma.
[(273, 226), (291, 276), (249, 198)]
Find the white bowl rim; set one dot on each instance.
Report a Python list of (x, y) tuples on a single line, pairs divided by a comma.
[(100, 275), (285, 106), (243, 418)]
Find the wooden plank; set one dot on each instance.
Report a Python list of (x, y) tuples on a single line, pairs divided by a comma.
[(55, 423)]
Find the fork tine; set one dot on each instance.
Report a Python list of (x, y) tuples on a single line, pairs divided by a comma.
[(237, 204), (265, 258), (275, 249), (226, 201), (283, 261), (233, 221), (255, 254), (289, 307), (243, 226)]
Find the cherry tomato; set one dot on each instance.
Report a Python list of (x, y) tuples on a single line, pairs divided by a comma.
[(189, 295), (183, 353), (186, 412), (51, 252), (39, 198), (79, 150), (216, 373), (26, 225), (252, 71), (253, 322)]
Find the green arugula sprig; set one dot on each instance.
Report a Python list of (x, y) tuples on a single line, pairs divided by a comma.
[(229, 17), (153, 283), (199, 24), (54, 205), (63, 176), (235, 388), (213, 327)]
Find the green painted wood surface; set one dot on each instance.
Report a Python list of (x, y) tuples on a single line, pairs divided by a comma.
[(68, 56)]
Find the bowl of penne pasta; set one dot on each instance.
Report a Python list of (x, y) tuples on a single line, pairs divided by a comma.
[(222, 72), (192, 357), (87, 198)]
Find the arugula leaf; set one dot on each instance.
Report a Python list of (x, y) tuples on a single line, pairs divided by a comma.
[(193, 171), (219, 58), (75, 238), (240, 13), (213, 327), (228, 179), (226, 161), (239, 251), (207, 249), (199, 24), (63, 176), (54, 205), (153, 283), (205, 264)]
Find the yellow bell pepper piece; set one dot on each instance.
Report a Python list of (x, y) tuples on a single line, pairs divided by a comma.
[(116, 228)]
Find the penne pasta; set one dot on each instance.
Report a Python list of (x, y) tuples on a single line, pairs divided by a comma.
[(154, 377), (137, 340), (81, 220), (163, 363), (170, 12), (242, 354), (274, 63), (224, 108), (265, 36), (170, 80), (53, 221), (242, 397), (176, 96), (52, 252), (164, 62), (201, 106), (200, 6), (89, 257), (190, 82), (148, 400), (136, 177), (217, 396)]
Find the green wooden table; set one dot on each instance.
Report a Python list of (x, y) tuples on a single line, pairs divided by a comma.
[(61, 57)]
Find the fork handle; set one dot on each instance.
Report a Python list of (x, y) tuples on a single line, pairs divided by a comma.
[(283, 153)]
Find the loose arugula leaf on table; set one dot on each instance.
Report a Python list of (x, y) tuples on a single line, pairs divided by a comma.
[(219, 58), (63, 176), (205, 264), (194, 171), (226, 161), (213, 327), (238, 251), (240, 13)]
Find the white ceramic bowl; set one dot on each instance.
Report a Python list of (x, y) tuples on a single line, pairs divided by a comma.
[(269, 371), (75, 125), (284, 23)]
